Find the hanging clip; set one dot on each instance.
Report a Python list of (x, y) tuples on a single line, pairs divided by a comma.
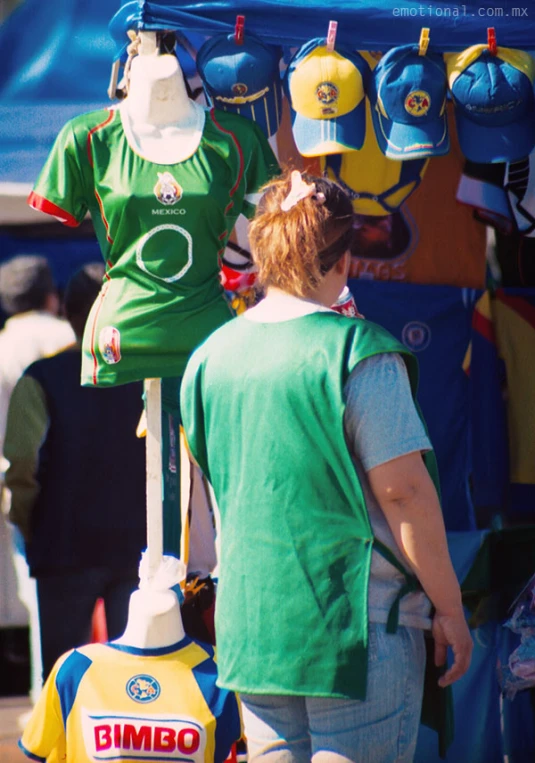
[(424, 41), (491, 40), (331, 35), (114, 78), (238, 30)]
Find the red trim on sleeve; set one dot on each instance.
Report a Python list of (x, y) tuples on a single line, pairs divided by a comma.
[(238, 148), (44, 205), (103, 215), (94, 129)]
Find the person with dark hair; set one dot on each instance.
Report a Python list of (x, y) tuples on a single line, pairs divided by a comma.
[(29, 298), (333, 547), (77, 480)]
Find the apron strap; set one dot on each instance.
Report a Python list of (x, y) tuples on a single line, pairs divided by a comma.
[(411, 584)]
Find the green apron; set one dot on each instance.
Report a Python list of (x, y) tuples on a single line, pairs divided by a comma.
[(296, 539)]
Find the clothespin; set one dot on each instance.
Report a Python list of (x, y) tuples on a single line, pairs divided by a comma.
[(331, 35), (424, 41), (114, 78), (238, 30), (491, 40)]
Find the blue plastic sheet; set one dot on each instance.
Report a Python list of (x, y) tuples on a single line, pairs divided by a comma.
[(375, 25)]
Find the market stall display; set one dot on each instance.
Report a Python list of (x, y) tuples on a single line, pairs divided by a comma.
[(400, 147)]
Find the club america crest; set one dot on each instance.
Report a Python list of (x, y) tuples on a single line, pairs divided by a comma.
[(326, 93), (143, 688), (167, 190), (418, 103)]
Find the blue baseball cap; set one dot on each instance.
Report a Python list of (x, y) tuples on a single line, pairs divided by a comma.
[(326, 90), (494, 103), (243, 78), (408, 96)]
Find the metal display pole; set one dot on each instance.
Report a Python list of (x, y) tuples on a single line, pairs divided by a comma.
[(153, 407)]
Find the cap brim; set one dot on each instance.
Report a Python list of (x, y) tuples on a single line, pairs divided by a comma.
[(401, 141), (265, 111), (320, 137), (489, 145)]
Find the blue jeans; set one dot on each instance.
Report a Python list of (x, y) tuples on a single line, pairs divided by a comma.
[(66, 603), (381, 729)]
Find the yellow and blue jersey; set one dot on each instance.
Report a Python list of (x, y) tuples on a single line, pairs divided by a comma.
[(376, 184), (106, 702)]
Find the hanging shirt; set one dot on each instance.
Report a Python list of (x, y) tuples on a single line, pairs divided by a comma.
[(161, 230), (111, 702)]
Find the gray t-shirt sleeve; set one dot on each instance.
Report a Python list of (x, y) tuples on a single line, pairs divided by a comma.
[(380, 420)]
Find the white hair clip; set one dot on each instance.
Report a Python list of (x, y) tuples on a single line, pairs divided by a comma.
[(300, 190)]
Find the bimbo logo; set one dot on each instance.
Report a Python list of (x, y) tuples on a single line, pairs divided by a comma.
[(152, 737)]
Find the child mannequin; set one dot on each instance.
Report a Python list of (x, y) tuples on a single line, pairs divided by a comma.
[(154, 620)]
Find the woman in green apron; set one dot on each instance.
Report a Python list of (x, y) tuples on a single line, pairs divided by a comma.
[(334, 558)]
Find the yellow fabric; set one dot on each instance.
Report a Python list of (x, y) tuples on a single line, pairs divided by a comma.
[(370, 171), (102, 701), (322, 68), (515, 339)]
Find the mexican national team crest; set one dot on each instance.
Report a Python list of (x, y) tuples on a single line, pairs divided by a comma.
[(167, 190), (418, 103), (143, 688), (109, 342)]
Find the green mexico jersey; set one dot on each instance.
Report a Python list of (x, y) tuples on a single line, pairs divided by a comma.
[(161, 230)]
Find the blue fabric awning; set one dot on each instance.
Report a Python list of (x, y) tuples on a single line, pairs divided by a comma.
[(364, 25)]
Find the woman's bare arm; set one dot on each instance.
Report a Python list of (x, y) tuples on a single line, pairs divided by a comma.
[(407, 496)]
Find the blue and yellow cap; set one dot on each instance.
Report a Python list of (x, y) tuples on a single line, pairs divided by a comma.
[(494, 103), (244, 79), (408, 96), (326, 93)]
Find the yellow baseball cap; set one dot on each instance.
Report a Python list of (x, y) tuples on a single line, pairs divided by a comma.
[(326, 90)]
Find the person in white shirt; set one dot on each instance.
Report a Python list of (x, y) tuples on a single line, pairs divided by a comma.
[(33, 330)]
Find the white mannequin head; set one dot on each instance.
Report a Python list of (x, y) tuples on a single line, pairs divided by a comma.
[(161, 123)]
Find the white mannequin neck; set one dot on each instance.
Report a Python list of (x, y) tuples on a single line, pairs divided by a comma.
[(161, 123), (154, 620)]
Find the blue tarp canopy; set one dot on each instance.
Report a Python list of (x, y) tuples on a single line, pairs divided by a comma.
[(378, 25)]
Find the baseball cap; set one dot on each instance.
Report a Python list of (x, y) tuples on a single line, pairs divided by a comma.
[(494, 102), (408, 96), (326, 93), (243, 78), (25, 282)]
